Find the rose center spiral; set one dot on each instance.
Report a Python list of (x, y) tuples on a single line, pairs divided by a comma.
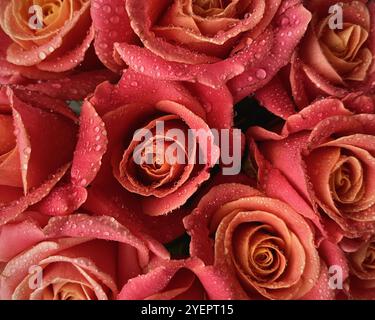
[(346, 181)]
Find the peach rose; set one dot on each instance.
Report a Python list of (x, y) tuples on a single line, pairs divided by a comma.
[(53, 40), (362, 266), (326, 152), (210, 42), (334, 59), (264, 246), (79, 257), (138, 103)]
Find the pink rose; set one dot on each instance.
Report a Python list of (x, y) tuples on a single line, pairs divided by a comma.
[(37, 141), (209, 42), (72, 258), (48, 42), (46, 159), (326, 153), (333, 59), (362, 266), (138, 103), (264, 246)]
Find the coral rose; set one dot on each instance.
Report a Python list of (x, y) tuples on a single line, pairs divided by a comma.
[(334, 58), (139, 104), (178, 280), (37, 141), (362, 266), (326, 152), (206, 41), (264, 246), (54, 40), (79, 257)]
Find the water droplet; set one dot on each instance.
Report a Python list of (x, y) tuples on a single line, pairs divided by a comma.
[(284, 21), (98, 147), (42, 55), (113, 34), (104, 45), (261, 74), (208, 107), (107, 9), (56, 85), (115, 19)]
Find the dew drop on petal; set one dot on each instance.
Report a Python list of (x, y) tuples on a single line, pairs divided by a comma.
[(42, 55), (261, 74), (284, 21), (107, 9)]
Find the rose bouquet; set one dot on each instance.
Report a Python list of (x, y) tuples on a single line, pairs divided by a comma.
[(187, 149)]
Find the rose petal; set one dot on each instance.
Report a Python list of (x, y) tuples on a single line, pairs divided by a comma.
[(63, 200), (91, 146), (15, 208), (16, 237), (154, 282), (256, 77), (109, 17), (74, 87)]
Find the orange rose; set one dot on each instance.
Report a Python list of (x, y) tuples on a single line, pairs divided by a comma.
[(337, 53), (362, 265), (44, 38)]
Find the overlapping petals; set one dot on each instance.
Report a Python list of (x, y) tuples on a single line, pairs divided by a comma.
[(45, 45), (32, 162), (206, 41), (362, 281), (159, 186), (335, 59), (326, 153), (187, 150), (77, 258), (265, 246), (178, 280)]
